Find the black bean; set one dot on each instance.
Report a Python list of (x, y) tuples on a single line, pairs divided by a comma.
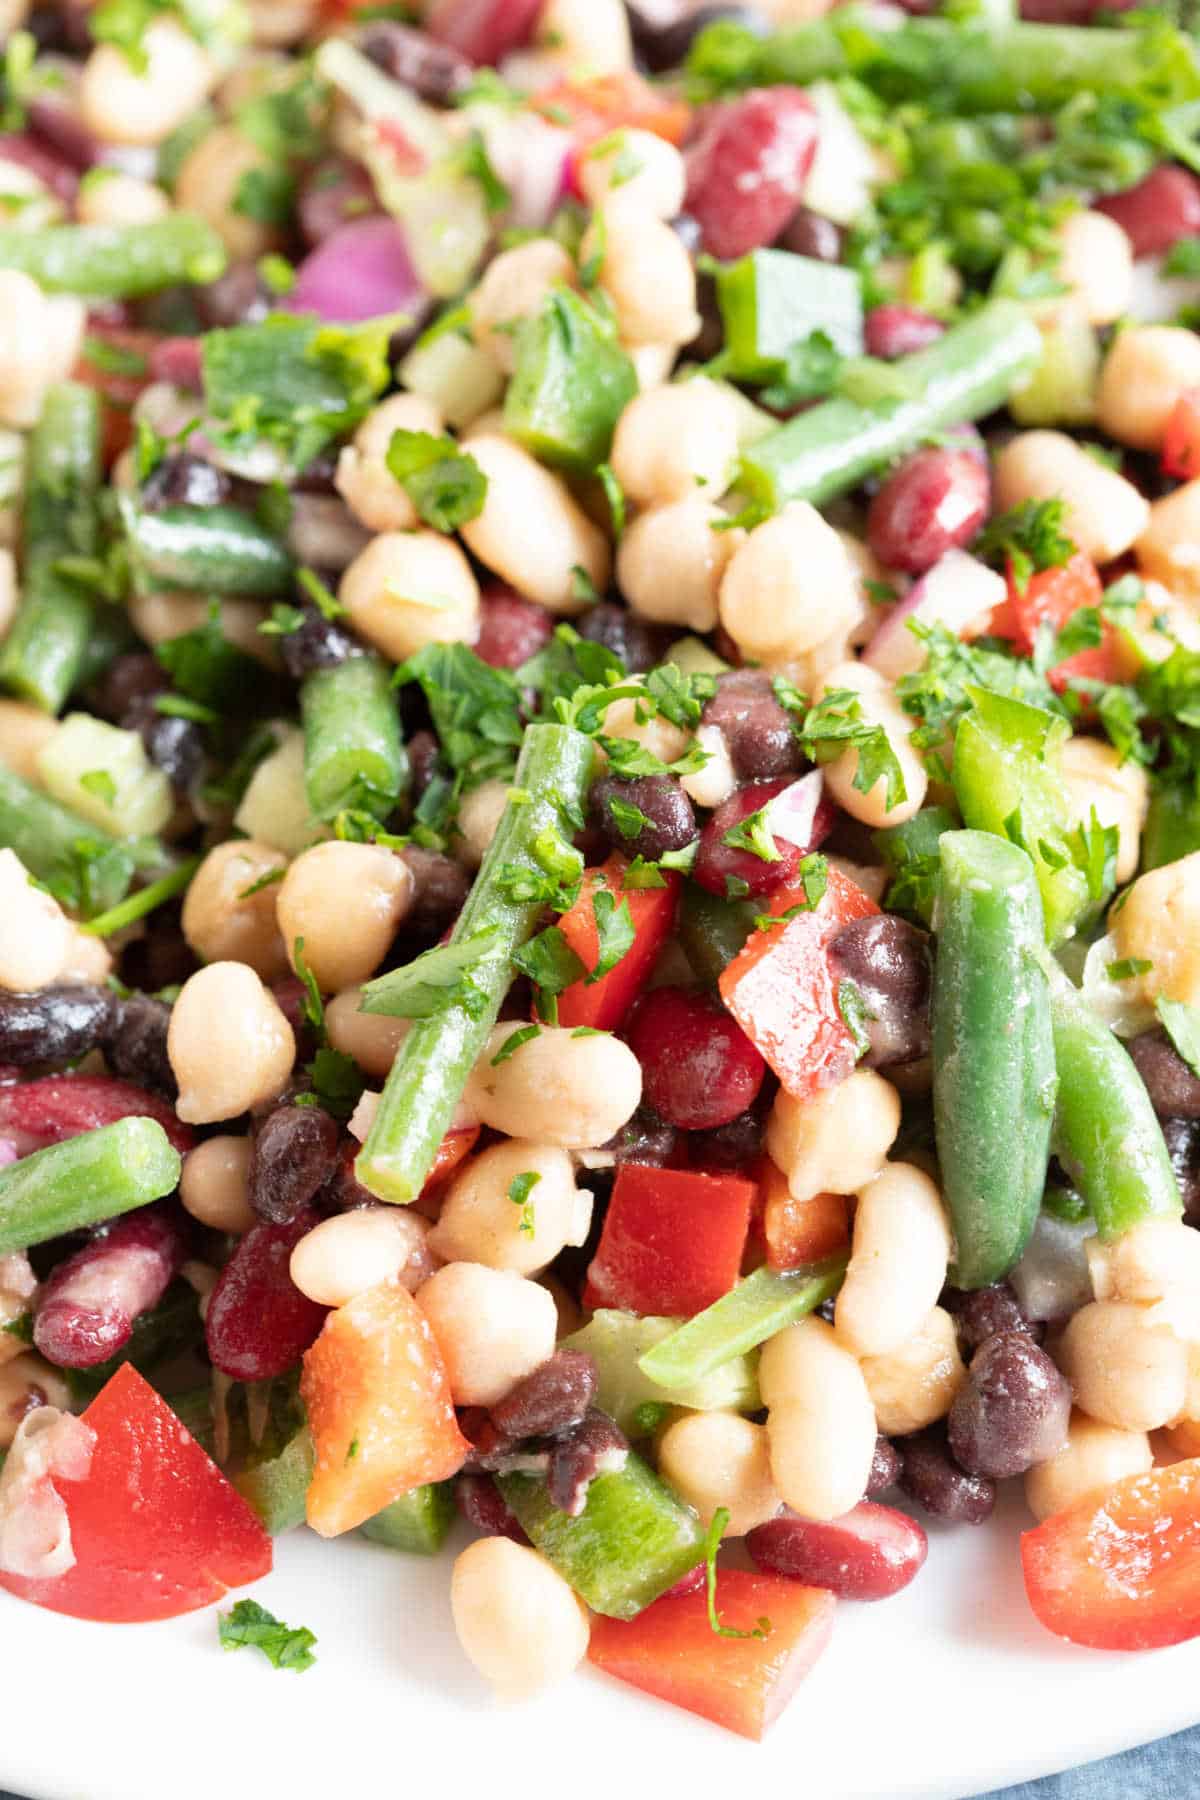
[(729, 1146), (174, 745), (667, 820), (664, 47), (295, 1152), (809, 233), (982, 1312), (127, 680), (888, 961), (935, 1482), (317, 476), (595, 1447), (182, 479), (885, 1468), (482, 1505), (1174, 1091), (494, 1452), (440, 887), (754, 725), (553, 1399), (1011, 1411), (645, 1138), (162, 958), (54, 1024), (619, 631), (709, 341), (317, 643), (433, 71), (423, 760), (1183, 1146), (238, 297), (137, 1046)]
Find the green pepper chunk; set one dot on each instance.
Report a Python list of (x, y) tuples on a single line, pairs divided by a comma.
[(570, 386), (275, 1485), (772, 299), (1172, 824), (417, 1522), (712, 931)]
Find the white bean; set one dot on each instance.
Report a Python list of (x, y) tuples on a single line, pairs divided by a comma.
[(789, 586), (121, 104), (898, 1261), (715, 1459), (223, 921), (481, 1222), (837, 1139), (492, 1327), (820, 1421), (915, 1384), (229, 1045), (1094, 1457), (24, 732), (35, 933), (351, 1252), (215, 1184), (1125, 1370), (517, 1620), (531, 532), (1104, 515), (346, 902), (1167, 549), (557, 1088), (589, 37), (479, 814)]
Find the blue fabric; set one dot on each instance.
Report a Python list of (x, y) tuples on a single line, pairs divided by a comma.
[(1167, 1770)]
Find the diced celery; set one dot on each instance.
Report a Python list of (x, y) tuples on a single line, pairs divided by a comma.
[(1061, 389), (417, 1522), (772, 299), (692, 656), (752, 1312), (619, 1340), (632, 1541), (277, 1486), (103, 774), (274, 809), (463, 380)]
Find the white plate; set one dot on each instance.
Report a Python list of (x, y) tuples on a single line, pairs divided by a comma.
[(948, 1690)]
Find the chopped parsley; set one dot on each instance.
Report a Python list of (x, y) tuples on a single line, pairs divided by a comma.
[(753, 836), (1026, 539), (444, 483), (519, 1190), (250, 1625), (712, 1543), (855, 1015), (835, 724), (614, 932), (475, 710), (512, 1043), (552, 966), (1127, 967), (439, 978)]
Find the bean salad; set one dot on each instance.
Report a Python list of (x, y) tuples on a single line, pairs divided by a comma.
[(600, 814)]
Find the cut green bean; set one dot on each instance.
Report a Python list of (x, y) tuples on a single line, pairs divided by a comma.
[(85, 1180), (84, 868), (216, 549), (354, 756), (438, 1053), (832, 447), (747, 1316), (116, 262), (617, 1342), (45, 652)]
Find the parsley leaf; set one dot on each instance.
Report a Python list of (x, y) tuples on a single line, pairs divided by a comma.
[(753, 835), (284, 1646), (712, 1543), (551, 965), (440, 978), (1182, 1025), (855, 1014), (1183, 258), (813, 878), (1127, 967), (512, 1043), (336, 1082), (444, 483), (629, 820), (1028, 538), (614, 930), (519, 1190), (836, 723), (812, 368), (475, 710)]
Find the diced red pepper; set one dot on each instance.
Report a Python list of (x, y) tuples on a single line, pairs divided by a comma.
[(1121, 1570), (801, 1231), (63, 1106), (780, 988), (454, 1148), (116, 362), (1181, 445), (594, 109), (603, 1004), (156, 1528), (672, 1240), (670, 1650), (1048, 598)]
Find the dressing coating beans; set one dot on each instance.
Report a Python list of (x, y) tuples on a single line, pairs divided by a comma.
[(408, 589), (673, 440), (215, 1184), (837, 1139), (1094, 1457), (346, 902), (898, 1261), (492, 1327), (228, 916), (556, 1088), (482, 1222), (820, 1421), (789, 586), (517, 1620), (344, 1256), (715, 1459), (916, 1384), (363, 478), (229, 1045), (530, 531), (878, 706)]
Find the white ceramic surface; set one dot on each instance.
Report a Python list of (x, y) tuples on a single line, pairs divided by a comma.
[(948, 1690)]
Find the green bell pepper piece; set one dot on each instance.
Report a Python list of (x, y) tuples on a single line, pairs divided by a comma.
[(772, 299), (570, 386), (618, 1343), (711, 930), (417, 1522), (758, 1307), (1172, 824)]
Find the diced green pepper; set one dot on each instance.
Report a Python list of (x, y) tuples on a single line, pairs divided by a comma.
[(570, 386), (772, 299), (911, 853), (618, 1341), (712, 931), (417, 1522), (1172, 824), (276, 1486)]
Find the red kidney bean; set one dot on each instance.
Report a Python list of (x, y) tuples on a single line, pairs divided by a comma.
[(89, 1304), (981, 1313), (552, 1399), (888, 961), (511, 630), (62, 1106), (935, 501), (1174, 1091), (482, 1505), (931, 1478), (885, 1468), (869, 1553), (1011, 1411), (137, 1046), (1157, 212), (618, 630), (1069, 12), (687, 1584), (699, 1069), (809, 233), (718, 864), (54, 118), (54, 172), (670, 821), (295, 1152), (756, 728), (258, 1323), (54, 1025), (177, 360), (747, 169), (332, 193), (894, 330), (434, 72), (484, 31), (593, 1447)]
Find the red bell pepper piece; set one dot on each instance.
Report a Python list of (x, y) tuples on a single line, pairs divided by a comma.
[(119, 377), (603, 1004), (1121, 1570), (1049, 597), (670, 1650), (780, 989), (1181, 445), (156, 1528), (594, 109), (55, 1107), (801, 1231), (672, 1240)]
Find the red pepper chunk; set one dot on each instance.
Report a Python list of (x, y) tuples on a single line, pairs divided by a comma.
[(603, 1004), (1120, 1570), (672, 1241), (780, 989), (156, 1528), (1048, 598), (744, 1684), (1181, 444)]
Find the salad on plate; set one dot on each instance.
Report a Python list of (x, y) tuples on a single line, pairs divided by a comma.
[(600, 814)]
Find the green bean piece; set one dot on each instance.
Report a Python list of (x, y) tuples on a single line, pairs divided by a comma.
[(437, 1055), (116, 262), (46, 650), (752, 1312), (354, 756), (83, 867), (993, 1051), (85, 1180), (217, 549), (1106, 1134)]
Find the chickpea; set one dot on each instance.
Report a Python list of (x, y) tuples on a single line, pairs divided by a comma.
[(591, 37), (209, 181), (531, 532), (89, 959), (879, 706), (371, 1039), (1105, 513), (492, 1327), (1096, 778), (898, 1261), (646, 273), (652, 363), (675, 439), (117, 199), (479, 1223), (28, 1378), (1146, 370), (24, 733), (556, 1087), (514, 287), (715, 1459), (229, 1045), (215, 1184), (788, 586), (13, 14), (820, 1421), (1125, 1370), (1094, 1457), (638, 165), (1096, 263), (915, 1384), (408, 589), (40, 340), (122, 105), (363, 478), (160, 617), (1158, 922), (1168, 550), (663, 739), (276, 23), (35, 933), (223, 921), (479, 816), (838, 1139), (517, 1620), (346, 902), (351, 1252)]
